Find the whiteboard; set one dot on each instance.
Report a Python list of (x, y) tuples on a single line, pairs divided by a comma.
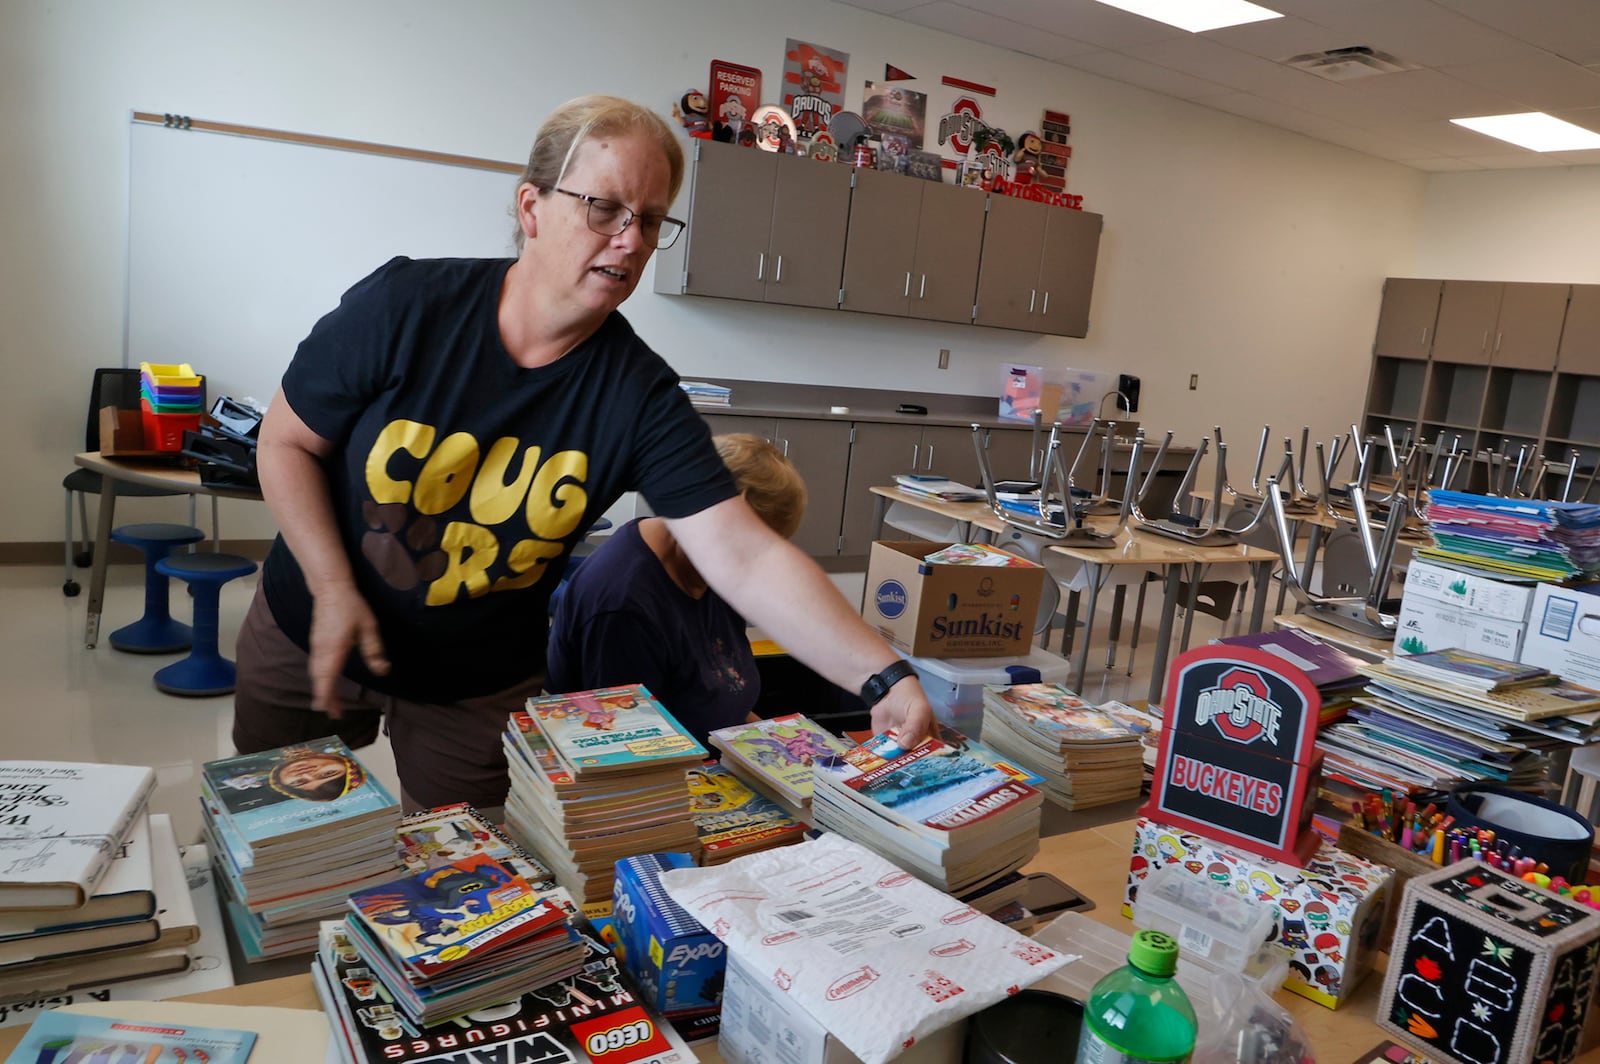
[(237, 245)]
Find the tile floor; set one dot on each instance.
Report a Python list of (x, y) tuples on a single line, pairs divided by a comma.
[(63, 701)]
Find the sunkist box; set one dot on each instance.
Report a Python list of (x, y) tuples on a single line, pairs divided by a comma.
[(1443, 607), (931, 610), (1564, 632), (675, 959), (1328, 914)]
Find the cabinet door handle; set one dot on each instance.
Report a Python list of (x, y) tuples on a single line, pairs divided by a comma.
[(1033, 294), (1497, 338), (786, 447), (930, 458), (922, 289), (907, 292), (916, 449), (777, 275), (1046, 308), (761, 265), (1484, 344), (1424, 336)]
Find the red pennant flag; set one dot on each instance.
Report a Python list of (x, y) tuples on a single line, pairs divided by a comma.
[(894, 73)]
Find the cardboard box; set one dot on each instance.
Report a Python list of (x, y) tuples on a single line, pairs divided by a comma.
[(678, 963), (1328, 914), (1426, 625), (1564, 632), (1468, 591), (950, 611), (763, 1025)]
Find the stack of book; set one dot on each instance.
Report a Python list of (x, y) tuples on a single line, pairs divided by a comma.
[(941, 488), (1086, 756), (591, 1012), (704, 393), (84, 874), (433, 838), (955, 822), (293, 832), (1530, 538), (1145, 724), (1335, 674), (1433, 720), (774, 757), (733, 820), (465, 933), (595, 776)]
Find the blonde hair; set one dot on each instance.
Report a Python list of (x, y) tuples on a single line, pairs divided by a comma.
[(768, 481), (557, 142)]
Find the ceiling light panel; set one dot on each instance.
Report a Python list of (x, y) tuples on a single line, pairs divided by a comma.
[(1534, 130), (1196, 16)]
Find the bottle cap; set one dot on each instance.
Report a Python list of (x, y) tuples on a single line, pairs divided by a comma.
[(1155, 952)]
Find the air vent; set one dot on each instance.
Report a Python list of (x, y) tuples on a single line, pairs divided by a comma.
[(1347, 64)]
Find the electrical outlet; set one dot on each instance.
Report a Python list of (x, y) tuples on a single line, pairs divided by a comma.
[(1194, 381), (944, 358)]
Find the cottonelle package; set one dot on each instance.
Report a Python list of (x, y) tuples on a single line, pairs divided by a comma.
[(878, 958)]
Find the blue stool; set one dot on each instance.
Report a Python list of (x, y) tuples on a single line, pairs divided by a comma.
[(156, 632), (205, 671)]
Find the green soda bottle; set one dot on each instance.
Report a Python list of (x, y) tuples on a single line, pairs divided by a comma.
[(1139, 1013)]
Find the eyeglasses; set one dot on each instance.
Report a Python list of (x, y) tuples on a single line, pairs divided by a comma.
[(610, 218)]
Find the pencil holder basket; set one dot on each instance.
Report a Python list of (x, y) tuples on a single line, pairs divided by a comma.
[(1542, 829)]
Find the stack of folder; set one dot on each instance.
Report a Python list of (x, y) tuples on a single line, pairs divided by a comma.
[(1528, 538)]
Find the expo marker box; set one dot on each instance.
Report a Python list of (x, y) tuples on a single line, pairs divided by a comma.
[(679, 964)]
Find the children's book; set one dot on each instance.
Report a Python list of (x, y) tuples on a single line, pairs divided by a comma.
[(613, 729), (281, 796), (972, 748), (433, 838), (780, 750), (126, 894), (933, 789), (730, 816), (942, 488), (60, 1036), (438, 919), (978, 554), (1054, 714), (1325, 664), (1467, 670), (61, 824)]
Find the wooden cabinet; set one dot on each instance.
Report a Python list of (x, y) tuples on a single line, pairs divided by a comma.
[(786, 229), (1468, 311), (1037, 268), (762, 227), (1580, 338), (1406, 321), (820, 451), (1528, 331), (912, 248)]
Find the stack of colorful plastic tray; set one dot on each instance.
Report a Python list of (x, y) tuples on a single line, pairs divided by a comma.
[(171, 398)]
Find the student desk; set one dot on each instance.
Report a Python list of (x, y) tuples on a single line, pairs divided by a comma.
[(1134, 547), (132, 471), (1094, 860)]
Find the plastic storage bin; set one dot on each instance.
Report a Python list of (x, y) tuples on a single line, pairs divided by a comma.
[(164, 432), (955, 685), (164, 375), (1214, 924)]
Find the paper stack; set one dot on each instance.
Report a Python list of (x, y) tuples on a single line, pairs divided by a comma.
[(294, 832), (733, 820), (1529, 538), (955, 822), (1086, 756), (1336, 674), (704, 393), (595, 776), (941, 488), (774, 757)]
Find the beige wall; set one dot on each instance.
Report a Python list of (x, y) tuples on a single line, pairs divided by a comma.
[(1247, 255)]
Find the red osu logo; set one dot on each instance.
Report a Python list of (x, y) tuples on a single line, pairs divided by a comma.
[(1240, 706), (959, 140)]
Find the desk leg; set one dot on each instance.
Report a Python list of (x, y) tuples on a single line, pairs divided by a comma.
[(880, 507), (1313, 544), (1118, 598), (1258, 608), (1169, 606), (102, 552), (1082, 667), (1189, 604), (1069, 631)]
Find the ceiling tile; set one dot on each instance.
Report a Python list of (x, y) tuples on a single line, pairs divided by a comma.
[(1569, 28), (1083, 20), (964, 22), (1587, 117), (1415, 30), (1442, 164), (1525, 160), (1133, 71), (1365, 141), (1336, 100), (1434, 137), (1279, 38), (1198, 57), (1542, 84), (1271, 112), (1433, 94), (886, 7)]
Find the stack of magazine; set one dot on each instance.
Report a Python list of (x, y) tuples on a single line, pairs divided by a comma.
[(1335, 674), (293, 832), (1087, 756), (704, 393), (774, 758), (733, 820), (951, 819), (595, 776), (941, 488), (1529, 538), (108, 903)]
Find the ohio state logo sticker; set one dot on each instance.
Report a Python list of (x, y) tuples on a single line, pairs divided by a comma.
[(960, 124), (1240, 706)]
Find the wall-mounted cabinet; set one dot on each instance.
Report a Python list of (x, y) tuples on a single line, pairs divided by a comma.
[(1510, 366), (786, 229), (820, 451)]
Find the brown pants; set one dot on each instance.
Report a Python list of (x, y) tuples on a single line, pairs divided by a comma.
[(444, 753)]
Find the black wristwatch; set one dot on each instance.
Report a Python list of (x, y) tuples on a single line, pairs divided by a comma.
[(878, 684)]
